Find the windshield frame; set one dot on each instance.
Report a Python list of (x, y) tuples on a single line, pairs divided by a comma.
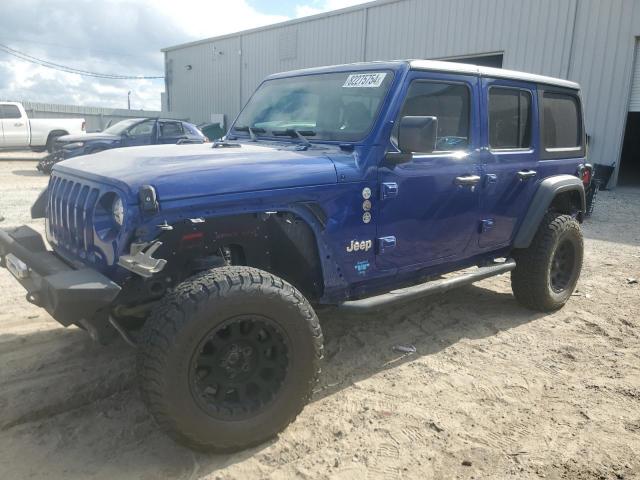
[(376, 118)]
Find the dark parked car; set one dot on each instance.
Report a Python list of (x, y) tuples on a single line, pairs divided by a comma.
[(126, 133)]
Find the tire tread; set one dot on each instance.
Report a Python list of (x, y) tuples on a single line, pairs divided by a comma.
[(172, 314), (529, 279)]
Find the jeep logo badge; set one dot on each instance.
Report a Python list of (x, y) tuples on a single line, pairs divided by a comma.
[(364, 245)]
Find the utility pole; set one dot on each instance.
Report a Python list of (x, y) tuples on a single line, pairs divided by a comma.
[(129, 100)]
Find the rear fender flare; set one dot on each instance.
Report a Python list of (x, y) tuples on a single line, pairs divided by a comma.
[(549, 189)]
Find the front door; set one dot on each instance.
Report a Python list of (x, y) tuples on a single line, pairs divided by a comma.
[(428, 206), (14, 128), (510, 159)]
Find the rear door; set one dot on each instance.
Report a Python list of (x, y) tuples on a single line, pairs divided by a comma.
[(428, 206), (170, 132), (15, 127), (510, 158)]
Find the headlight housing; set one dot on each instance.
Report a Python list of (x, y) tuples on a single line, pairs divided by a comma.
[(117, 210), (71, 146)]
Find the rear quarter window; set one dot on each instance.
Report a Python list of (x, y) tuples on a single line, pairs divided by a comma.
[(561, 122)]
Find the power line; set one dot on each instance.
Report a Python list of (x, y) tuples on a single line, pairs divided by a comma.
[(64, 68), (74, 48)]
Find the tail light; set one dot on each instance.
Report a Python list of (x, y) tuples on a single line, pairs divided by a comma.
[(84, 125), (586, 172)]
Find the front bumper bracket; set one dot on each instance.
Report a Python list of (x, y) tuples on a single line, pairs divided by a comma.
[(71, 296)]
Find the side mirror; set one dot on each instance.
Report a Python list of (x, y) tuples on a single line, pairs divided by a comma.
[(417, 134)]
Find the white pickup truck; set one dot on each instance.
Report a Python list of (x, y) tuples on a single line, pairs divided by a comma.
[(17, 131)]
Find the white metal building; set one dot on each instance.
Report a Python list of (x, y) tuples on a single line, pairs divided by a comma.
[(593, 42)]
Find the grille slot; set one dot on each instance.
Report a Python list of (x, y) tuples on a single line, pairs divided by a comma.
[(70, 215)]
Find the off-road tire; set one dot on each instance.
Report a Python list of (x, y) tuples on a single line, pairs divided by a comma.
[(531, 281), (172, 337)]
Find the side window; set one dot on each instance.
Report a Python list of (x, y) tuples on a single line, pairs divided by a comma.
[(171, 129), (562, 125), (449, 103), (9, 111), (509, 118), (143, 128)]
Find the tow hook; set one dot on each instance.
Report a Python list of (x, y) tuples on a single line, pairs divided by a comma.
[(141, 260)]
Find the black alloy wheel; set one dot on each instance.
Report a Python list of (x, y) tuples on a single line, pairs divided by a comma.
[(239, 367)]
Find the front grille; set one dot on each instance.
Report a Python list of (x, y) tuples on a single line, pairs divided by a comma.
[(70, 211)]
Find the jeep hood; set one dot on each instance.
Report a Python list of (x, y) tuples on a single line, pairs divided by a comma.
[(183, 171)]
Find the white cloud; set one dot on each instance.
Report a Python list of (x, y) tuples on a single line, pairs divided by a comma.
[(207, 18), (324, 6), (121, 36)]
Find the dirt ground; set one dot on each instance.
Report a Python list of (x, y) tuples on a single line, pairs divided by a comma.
[(493, 391)]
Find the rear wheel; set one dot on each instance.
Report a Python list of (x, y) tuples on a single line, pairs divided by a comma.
[(546, 273), (229, 358)]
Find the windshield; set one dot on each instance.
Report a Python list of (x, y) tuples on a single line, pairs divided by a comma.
[(120, 127), (329, 106)]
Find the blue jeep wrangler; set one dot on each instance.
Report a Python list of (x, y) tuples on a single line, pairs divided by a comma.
[(356, 186)]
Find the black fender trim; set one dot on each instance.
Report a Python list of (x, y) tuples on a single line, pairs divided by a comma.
[(39, 208), (549, 188)]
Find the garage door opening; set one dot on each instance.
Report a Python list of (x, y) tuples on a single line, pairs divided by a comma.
[(629, 173), (482, 60)]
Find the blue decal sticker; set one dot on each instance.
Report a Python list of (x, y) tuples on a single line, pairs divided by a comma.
[(362, 266)]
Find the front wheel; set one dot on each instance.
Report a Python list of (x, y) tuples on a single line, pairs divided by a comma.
[(547, 271), (52, 140), (229, 359)]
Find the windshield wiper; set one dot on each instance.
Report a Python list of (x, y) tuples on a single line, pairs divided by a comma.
[(252, 131), (294, 133)]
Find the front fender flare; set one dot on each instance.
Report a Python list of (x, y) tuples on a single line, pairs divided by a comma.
[(549, 188)]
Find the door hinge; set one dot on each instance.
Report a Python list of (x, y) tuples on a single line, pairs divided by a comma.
[(486, 224), (388, 190), (386, 243)]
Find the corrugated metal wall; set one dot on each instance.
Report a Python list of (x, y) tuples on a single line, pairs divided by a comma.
[(602, 61), (97, 118), (590, 41), (532, 34), (205, 79)]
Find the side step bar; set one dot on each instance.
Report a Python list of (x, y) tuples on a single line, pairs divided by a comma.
[(428, 288)]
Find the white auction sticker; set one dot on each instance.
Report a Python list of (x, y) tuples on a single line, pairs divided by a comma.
[(364, 80)]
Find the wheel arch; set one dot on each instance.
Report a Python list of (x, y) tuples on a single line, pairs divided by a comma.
[(56, 133), (562, 193), (285, 241)]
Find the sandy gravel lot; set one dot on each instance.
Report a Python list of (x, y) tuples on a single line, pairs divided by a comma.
[(494, 390)]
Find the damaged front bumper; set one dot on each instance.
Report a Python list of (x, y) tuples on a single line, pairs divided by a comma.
[(71, 296)]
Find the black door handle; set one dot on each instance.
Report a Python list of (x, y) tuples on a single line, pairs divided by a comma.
[(467, 180), (526, 174)]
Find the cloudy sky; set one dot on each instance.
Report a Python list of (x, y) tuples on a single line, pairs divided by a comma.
[(121, 37)]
